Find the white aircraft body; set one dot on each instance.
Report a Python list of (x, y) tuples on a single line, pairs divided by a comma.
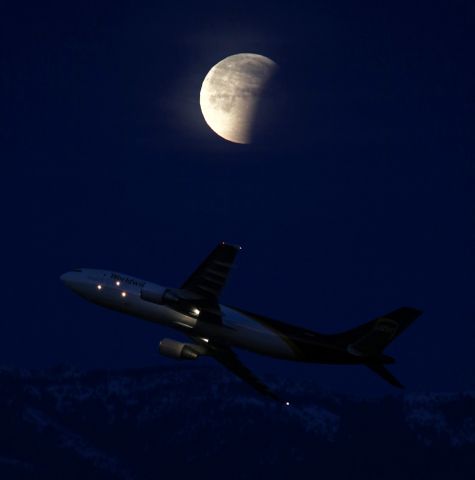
[(215, 329)]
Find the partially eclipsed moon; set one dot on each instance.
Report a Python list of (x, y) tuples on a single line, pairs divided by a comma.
[(230, 94)]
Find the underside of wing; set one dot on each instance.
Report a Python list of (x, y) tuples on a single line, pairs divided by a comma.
[(384, 373), (209, 278), (229, 359)]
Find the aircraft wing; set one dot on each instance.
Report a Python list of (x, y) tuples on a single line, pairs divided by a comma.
[(230, 360), (209, 278), (384, 373)]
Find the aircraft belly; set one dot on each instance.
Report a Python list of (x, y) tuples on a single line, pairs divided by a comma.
[(244, 332), (157, 313)]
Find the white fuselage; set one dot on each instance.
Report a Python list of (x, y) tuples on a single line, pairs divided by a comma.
[(124, 294)]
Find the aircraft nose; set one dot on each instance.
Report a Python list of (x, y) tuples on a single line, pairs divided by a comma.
[(67, 278), (64, 277)]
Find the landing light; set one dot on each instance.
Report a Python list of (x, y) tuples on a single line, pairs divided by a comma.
[(99, 287), (287, 404), (124, 294), (117, 283), (195, 311)]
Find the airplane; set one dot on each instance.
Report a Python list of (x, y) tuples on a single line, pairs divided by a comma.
[(215, 329)]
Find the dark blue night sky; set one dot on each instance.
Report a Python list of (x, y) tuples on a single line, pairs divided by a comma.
[(359, 200)]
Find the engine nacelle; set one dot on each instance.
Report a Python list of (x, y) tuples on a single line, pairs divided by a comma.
[(179, 350)]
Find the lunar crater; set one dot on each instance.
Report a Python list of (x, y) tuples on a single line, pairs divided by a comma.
[(230, 94)]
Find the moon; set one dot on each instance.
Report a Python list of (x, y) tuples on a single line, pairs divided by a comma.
[(230, 94)]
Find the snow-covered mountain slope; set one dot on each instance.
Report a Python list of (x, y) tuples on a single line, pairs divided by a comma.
[(192, 422)]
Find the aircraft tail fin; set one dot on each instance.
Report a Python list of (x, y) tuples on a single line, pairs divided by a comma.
[(370, 339)]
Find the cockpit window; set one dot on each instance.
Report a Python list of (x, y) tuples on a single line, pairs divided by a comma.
[(77, 270)]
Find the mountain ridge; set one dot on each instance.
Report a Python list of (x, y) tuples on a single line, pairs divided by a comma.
[(186, 420)]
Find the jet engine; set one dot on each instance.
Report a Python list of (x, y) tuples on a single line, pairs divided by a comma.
[(178, 350)]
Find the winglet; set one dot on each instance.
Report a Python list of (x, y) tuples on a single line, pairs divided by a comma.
[(235, 246)]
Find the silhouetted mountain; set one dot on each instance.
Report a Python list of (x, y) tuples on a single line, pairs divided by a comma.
[(193, 422)]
